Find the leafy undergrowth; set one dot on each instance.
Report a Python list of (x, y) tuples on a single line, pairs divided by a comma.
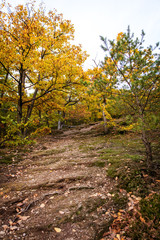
[(126, 164), (139, 222)]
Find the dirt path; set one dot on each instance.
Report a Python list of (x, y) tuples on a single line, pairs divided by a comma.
[(59, 190)]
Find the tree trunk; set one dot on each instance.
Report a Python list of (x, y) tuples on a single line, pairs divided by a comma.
[(30, 107), (21, 88), (104, 117), (3, 126), (5, 81), (148, 149), (105, 123), (59, 121), (147, 143)]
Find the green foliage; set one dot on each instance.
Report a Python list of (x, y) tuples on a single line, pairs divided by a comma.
[(136, 70), (13, 131)]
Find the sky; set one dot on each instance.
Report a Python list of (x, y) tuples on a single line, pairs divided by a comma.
[(95, 18)]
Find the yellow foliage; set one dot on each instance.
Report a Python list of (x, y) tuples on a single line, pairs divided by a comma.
[(120, 36)]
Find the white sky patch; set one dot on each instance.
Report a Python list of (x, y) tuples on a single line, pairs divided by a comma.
[(92, 18)]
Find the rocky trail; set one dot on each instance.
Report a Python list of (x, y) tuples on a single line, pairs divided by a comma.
[(59, 190)]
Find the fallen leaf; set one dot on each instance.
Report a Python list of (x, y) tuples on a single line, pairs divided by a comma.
[(58, 230), (25, 200), (107, 213), (19, 222), (17, 210), (20, 204), (13, 228), (42, 205), (109, 195), (5, 227), (142, 219), (121, 190), (10, 222), (118, 236), (6, 196), (61, 212), (157, 180), (23, 218), (145, 175), (51, 197), (138, 198), (121, 210)]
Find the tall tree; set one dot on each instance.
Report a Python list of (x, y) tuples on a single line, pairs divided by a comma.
[(35, 51), (100, 90), (138, 74)]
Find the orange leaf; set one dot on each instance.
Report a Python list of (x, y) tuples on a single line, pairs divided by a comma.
[(58, 230), (142, 219)]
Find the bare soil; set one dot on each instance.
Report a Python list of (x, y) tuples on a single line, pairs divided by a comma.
[(58, 190)]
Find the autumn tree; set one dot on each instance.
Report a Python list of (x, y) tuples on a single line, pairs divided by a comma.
[(137, 73), (35, 55), (100, 94)]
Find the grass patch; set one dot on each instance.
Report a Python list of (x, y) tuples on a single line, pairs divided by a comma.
[(128, 170), (50, 152), (125, 160), (98, 164), (86, 148)]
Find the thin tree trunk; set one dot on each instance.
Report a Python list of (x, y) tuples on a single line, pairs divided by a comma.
[(30, 107), (148, 149), (2, 125), (40, 117), (59, 121), (105, 123), (104, 117), (147, 143), (5, 81), (21, 88)]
